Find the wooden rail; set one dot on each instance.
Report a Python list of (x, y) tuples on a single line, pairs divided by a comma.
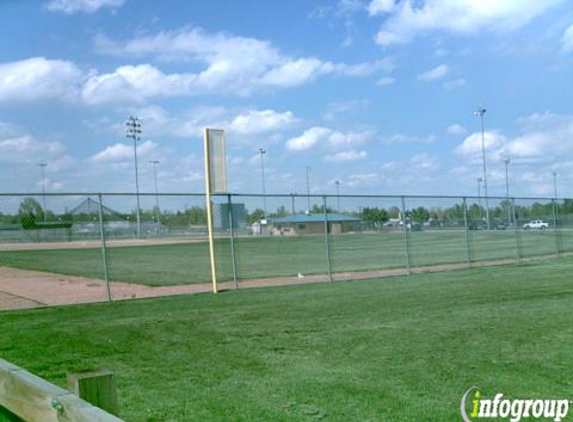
[(34, 399)]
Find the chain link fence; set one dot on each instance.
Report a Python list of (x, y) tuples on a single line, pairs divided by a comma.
[(58, 249)]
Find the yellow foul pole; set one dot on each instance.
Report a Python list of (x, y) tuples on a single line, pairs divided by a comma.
[(209, 214)]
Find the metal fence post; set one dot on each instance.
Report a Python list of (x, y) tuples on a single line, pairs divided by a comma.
[(103, 248), (517, 255), (232, 238), (326, 240), (555, 231), (406, 238), (466, 224)]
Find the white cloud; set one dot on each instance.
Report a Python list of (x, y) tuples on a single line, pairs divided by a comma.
[(8, 130), (348, 7), (400, 138), (542, 147), (545, 136), (409, 18), (342, 12), (255, 121), (335, 109), (386, 80), (425, 161), (27, 149), (362, 180), (456, 83), (135, 83), (38, 79), (82, 6), (50, 184), (471, 147), (328, 138), (192, 176), (567, 40), (308, 139), (232, 65), (123, 152), (437, 72), (339, 139), (379, 7), (441, 52), (20, 154), (344, 156), (240, 125), (456, 129)]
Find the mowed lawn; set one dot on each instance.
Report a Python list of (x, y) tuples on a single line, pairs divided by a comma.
[(281, 256), (401, 349)]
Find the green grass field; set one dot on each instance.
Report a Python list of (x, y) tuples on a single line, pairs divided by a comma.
[(401, 349), (278, 256), (281, 256)]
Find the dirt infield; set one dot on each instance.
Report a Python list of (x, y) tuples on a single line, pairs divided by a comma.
[(90, 244), (25, 289)]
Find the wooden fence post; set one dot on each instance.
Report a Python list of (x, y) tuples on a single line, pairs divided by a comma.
[(97, 388), (34, 399)]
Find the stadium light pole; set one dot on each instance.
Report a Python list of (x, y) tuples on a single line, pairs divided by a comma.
[(155, 163), (133, 131), (337, 183), (479, 180), (308, 189), (43, 166), (262, 153), (555, 205), (506, 162), (480, 112)]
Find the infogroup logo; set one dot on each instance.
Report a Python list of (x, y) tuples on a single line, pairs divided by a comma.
[(474, 407)]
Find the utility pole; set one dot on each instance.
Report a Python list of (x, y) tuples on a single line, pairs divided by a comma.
[(154, 163), (133, 131), (506, 162), (308, 189), (337, 183), (262, 153), (479, 180), (480, 112), (43, 166), (555, 185)]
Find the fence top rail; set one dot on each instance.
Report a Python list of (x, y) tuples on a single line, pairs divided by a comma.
[(280, 195), (34, 399)]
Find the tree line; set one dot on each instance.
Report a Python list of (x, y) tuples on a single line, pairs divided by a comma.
[(31, 213)]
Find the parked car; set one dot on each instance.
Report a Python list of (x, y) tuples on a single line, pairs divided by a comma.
[(477, 225), (414, 226), (536, 224), (499, 225)]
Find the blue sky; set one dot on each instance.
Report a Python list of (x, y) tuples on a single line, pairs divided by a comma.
[(378, 94)]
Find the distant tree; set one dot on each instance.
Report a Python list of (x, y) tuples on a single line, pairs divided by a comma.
[(191, 216), (280, 212), (319, 209), (196, 215), (420, 214), (394, 212), (30, 212), (475, 211), (453, 213), (375, 217), (256, 215), (566, 207)]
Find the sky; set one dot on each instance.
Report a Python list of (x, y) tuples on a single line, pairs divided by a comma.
[(376, 94)]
